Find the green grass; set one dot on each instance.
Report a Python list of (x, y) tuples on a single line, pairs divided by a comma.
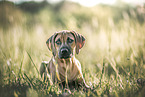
[(112, 59)]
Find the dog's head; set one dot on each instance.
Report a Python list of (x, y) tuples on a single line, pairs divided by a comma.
[(65, 43)]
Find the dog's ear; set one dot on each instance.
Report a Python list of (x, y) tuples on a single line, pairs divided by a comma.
[(79, 43), (51, 44), (79, 40)]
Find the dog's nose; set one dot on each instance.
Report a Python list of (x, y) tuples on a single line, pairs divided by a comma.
[(64, 51)]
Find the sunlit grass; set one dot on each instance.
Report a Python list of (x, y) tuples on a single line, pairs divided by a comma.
[(112, 59)]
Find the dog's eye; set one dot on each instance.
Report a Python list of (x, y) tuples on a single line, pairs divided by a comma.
[(58, 42), (69, 40)]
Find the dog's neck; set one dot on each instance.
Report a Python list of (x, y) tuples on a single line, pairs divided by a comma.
[(64, 62)]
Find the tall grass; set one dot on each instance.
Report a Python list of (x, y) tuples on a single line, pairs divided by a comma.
[(112, 59)]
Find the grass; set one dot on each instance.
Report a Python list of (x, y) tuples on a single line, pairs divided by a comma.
[(113, 58)]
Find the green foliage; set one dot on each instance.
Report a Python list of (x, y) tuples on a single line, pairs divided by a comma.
[(112, 59)]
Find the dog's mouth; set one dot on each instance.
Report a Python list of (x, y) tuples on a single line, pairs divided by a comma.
[(65, 53), (64, 56)]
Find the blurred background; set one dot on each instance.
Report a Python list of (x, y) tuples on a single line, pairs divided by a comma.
[(114, 32)]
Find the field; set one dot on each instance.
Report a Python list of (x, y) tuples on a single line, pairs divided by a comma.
[(113, 57)]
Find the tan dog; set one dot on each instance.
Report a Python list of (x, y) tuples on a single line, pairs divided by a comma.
[(63, 66)]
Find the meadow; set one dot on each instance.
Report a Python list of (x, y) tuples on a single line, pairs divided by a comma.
[(112, 59)]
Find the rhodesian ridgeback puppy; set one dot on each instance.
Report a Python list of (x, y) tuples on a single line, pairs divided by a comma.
[(63, 66)]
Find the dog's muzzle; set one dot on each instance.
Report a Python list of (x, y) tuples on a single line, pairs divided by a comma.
[(64, 53)]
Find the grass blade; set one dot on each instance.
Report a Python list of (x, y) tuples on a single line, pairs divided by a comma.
[(29, 81), (102, 72), (20, 71), (33, 63)]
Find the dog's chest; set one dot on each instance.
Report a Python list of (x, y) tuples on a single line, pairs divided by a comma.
[(69, 71)]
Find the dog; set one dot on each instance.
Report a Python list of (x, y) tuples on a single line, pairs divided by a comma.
[(63, 66)]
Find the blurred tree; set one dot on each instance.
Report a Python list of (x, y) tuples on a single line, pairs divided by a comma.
[(32, 6)]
